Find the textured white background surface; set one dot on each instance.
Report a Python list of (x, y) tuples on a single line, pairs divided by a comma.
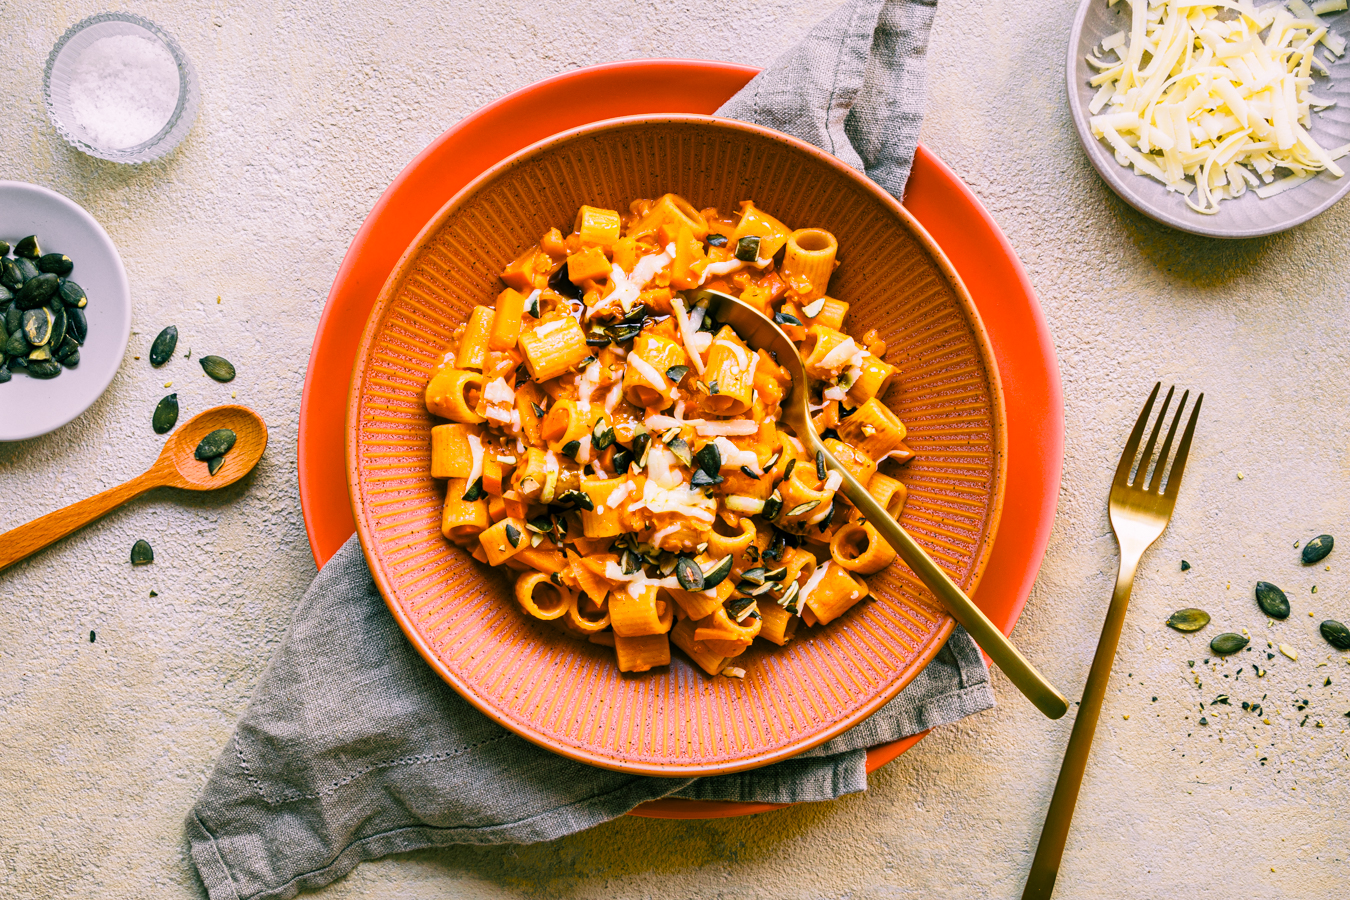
[(309, 110)]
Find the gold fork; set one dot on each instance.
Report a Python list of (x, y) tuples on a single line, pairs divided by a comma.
[(1140, 510)]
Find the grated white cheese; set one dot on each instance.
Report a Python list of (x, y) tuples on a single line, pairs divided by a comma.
[(725, 267), (476, 451), (842, 353), (734, 457), (627, 286), (687, 333), (729, 427), (647, 371), (1221, 103)]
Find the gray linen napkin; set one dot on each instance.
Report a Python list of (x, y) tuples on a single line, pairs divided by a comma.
[(352, 748)]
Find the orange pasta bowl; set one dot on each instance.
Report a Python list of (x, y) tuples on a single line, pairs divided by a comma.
[(557, 688)]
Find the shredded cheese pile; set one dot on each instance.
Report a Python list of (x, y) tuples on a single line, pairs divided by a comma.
[(1214, 97)]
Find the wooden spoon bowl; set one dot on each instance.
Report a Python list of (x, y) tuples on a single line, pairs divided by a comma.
[(180, 467)]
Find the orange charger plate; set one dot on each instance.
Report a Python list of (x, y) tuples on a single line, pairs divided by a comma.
[(938, 199)]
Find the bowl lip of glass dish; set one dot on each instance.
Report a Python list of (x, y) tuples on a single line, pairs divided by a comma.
[(174, 130), (1124, 181)]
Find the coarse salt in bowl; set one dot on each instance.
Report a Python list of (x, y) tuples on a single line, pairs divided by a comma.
[(119, 88)]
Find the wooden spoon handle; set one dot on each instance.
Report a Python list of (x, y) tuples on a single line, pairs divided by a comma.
[(22, 542)]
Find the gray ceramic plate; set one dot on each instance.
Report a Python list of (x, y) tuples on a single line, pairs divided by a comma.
[(30, 406), (1248, 215)]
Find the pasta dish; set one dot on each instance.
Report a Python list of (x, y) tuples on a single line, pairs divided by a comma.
[(624, 455)]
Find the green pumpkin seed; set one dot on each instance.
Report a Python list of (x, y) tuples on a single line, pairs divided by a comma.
[(27, 269), (162, 349), (803, 508), (1188, 619), (142, 553), (701, 478), (513, 535), (742, 607), (773, 506), (474, 491), (17, 345), (71, 360), (1227, 643), (677, 373), (69, 347), (783, 318), (40, 354), (1336, 634), (717, 574), (1185, 566), (60, 323), (217, 443), (77, 324), (9, 275), (747, 248), (13, 319), (5, 374), (44, 368), (6, 295), (166, 416), (1317, 549), (56, 263), (680, 448), (37, 292), (72, 294), (709, 459), (689, 574), (37, 326), (812, 309), (4, 248), (218, 368), (571, 449), (1272, 600), (213, 465), (28, 248)]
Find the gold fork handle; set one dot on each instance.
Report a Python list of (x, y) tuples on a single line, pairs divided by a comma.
[(1019, 670), (1049, 852)]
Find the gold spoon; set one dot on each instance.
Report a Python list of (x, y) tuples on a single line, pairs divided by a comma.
[(177, 466), (760, 333)]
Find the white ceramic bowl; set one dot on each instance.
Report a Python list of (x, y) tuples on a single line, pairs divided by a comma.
[(32, 406), (60, 67), (1247, 216)]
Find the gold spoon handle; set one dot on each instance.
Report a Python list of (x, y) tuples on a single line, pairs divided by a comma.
[(1019, 670), (22, 542)]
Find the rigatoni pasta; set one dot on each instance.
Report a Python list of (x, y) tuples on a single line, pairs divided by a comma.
[(623, 455)]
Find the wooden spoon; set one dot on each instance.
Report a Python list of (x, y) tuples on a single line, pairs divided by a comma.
[(177, 466), (760, 333)]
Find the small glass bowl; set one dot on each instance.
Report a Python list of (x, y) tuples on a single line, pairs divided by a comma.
[(61, 64)]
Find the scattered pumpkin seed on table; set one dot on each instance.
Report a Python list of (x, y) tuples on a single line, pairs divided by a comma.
[(163, 346), (218, 368), (1336, 634), (1317, 549), (141, 553), (1188, 619), (1227, 643), (1272, 600), (166, 415)]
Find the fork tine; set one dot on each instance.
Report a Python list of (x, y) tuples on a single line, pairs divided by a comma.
[(1179, 467), (1132, 445), (1155, 483), (1141, 476)]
